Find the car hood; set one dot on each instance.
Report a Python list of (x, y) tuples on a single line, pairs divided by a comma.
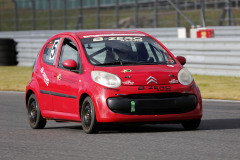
[(147, 75)]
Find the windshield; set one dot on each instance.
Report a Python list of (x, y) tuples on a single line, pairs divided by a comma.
[(125, 51)]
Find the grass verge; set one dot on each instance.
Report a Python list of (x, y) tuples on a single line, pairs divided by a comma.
[(14, 78), (218, 87), (212, 87)]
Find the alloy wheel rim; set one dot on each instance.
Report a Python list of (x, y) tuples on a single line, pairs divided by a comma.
[(87, 116), (33, 112)]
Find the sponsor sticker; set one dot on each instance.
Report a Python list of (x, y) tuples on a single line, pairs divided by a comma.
[(126, 70), (127, 77), (46, 80), (133, 106), (103, 35), (59, 76), (173, 81), (157, 88), (50, 44), (128, 82), (123, 39)]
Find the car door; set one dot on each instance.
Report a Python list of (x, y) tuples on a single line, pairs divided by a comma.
[(44, 74), (67, 82)]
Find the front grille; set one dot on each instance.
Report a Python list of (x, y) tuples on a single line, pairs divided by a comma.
[(153, 104), (153, 96)]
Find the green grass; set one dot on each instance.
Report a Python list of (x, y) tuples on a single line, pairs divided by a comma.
[(14, 78), (219, 87), (212, 87)]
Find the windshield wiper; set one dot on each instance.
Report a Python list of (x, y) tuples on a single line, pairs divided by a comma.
[(111, 63), (144, 63), (118, 63), (130, 63)]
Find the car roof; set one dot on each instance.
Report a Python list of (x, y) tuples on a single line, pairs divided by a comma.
[(106, 33)]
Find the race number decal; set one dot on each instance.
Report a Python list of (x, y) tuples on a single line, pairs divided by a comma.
[(53, 50)]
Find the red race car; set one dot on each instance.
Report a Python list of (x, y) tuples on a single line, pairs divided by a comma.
[(96, 77)]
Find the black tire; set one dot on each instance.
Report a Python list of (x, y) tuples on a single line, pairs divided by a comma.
[(191, 124), (6, 41), (7, 52), (35, 118), (88, 116)]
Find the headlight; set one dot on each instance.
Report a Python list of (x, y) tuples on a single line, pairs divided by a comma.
[(106, 79), (185, 77)]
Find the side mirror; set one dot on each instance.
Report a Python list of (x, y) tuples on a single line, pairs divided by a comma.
[(181, 59), (70, 64)]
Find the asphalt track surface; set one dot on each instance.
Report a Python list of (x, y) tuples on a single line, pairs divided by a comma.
[(218, 137)]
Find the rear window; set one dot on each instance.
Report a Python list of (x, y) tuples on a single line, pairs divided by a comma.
[(50, 51)]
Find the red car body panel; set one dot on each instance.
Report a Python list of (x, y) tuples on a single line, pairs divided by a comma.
[(60, 91)]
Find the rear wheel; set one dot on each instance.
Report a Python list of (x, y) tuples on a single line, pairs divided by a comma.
[(35, 118), (191, 124), (88, 116)]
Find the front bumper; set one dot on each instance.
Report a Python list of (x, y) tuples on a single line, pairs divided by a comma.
[(114, 105), (152, 104)]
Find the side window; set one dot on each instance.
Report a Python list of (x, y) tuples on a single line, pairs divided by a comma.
[(50, 51), (69, 51)]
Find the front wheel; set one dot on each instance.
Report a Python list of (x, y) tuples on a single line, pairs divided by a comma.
[(35, 118), (191, 124), (88, 116)]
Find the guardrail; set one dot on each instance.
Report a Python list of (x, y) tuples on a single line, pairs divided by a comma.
[(216, 56), (28, 49), (220, 32), (226, 31), (156, 32)]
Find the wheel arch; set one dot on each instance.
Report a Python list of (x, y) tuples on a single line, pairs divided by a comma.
[(28, 94), (83, 96)]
